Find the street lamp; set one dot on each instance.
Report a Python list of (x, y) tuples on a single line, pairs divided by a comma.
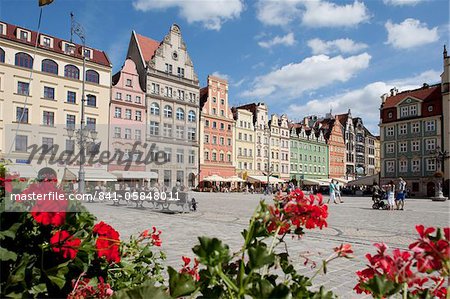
[(440, 156)]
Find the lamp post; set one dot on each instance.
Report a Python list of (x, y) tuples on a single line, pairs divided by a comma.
[(440, 156)]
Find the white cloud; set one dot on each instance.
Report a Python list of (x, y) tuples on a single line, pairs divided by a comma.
[(220, 75), (212, 14), (292, 80), (287, 40), (401, 2), (364, 102), (344, 45), (278, 13), (410, 33), (327, 14)]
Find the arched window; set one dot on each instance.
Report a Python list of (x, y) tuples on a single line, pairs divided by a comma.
[(180, 114), (191, 116), (154, 109), (92, 76), (24, 60), (167, 111), (2, 55), (71, 71), (49, 66)]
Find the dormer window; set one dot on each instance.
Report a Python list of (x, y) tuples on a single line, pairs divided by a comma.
[(24, 35), (2, 29), (69, 48), (46, 41), (88, 53)]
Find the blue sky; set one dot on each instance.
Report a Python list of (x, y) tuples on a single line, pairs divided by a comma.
[(301, 57)]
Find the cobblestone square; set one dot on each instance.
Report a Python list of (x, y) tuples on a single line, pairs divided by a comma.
[(225, 215)]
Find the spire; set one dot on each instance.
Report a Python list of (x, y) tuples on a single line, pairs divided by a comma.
[(445, 52)]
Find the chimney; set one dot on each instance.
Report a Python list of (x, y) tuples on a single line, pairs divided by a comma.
[(394, 91), (425, 85), (384, 97), (445, 52)]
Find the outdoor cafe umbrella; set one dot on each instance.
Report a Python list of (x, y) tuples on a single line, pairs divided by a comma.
[(234, 178), (214, 178)]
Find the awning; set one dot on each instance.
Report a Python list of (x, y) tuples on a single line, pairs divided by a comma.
[(214, 178), (234, 178), (147, 175), (314, 182), (366, 180), (263, 179), (91, 174), (23, 170)]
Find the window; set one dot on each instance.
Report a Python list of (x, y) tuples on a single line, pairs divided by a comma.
[(127, 133), (402, 129), (70, 145), (415, 165), (128, 98), (214, 140), (154, 128), (415, 127), (191, 157), (118, 112), (191, 134), (229, 127), (21, 143), (154, 109), (180, 114), (24, 60), (167, 111), (117, 132), (69, 49), (49, 66), (180, 72), (229, 141), (214, 111), (138, 116), (191, 116), (138, 99), (206, 138), (206, 156), (118, 96), (127, 113), (2, 55), (180, 132), (49, 93), (206, 123), (48, 118), (412, 110), (222, 112), (23, 88), (180, 155), (431, 164), (228, 157), (221, 157), (71, 97), (129, 83), (168, 68), (214, 125), (214, 99), (403, 166), (430, 144), (222, 141), (155, 88), (47, 143), (70, 121), (222, 126), (181, 95), (137, 135), (87, 53), (92, 76), (390, 148), (390, 131), (415, 146), (91, 100), (22, 115), (71, 71), (404, 111), (390, 166), (430, 125), (214, 156), (167, 130), (430, 108), (402, 147), (91, 123)]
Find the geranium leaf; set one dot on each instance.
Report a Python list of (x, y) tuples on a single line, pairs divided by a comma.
[(281, 292), (6, 255), (180, 284), (60, 282), (259, 256), (142, 292), (211, 251)]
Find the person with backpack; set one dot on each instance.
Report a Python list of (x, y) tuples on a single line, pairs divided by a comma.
[(400, 199)]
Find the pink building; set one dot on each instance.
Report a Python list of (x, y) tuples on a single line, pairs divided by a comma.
[(127, 115)]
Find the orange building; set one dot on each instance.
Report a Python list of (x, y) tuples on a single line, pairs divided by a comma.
[(336, 147), (216, 130)]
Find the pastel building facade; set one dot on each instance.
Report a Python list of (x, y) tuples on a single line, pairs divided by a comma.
[(410, 131), (37, 111), (279, 146), (334, 137), (173, 105), (245, 142), (217, 127), (128, 116)]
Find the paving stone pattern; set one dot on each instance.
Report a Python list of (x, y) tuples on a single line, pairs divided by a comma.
[(225, 215)]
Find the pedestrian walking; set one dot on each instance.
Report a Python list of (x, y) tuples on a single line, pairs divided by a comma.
[(338, 192), (390, 189), (194, 204), (400, 199), (332, 192)]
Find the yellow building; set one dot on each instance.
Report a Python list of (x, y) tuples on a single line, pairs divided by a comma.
[(40, 94), (245, 142)]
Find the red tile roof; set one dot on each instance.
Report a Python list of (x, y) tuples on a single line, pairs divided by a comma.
[(426, 93), (147, 45), (342, 118), (98, 56)]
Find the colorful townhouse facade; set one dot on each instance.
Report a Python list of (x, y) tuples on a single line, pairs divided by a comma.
[(173, 105), (245, 142), (279, 147), (217, 127), (410, 132), (334, 137), (128, 118), (41, 90)]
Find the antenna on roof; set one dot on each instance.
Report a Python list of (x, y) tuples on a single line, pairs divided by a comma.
[(71, 27)]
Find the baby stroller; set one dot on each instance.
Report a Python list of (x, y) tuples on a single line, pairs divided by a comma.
[(380, 201)]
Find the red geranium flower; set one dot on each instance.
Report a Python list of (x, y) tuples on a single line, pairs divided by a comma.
[(108, 242), (62, 241), (344, 250), (191, 271)]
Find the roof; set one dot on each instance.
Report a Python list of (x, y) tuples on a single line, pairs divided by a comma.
[(342, 118), (98, 56), (147, 46), (425, 93), (203, 96)]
